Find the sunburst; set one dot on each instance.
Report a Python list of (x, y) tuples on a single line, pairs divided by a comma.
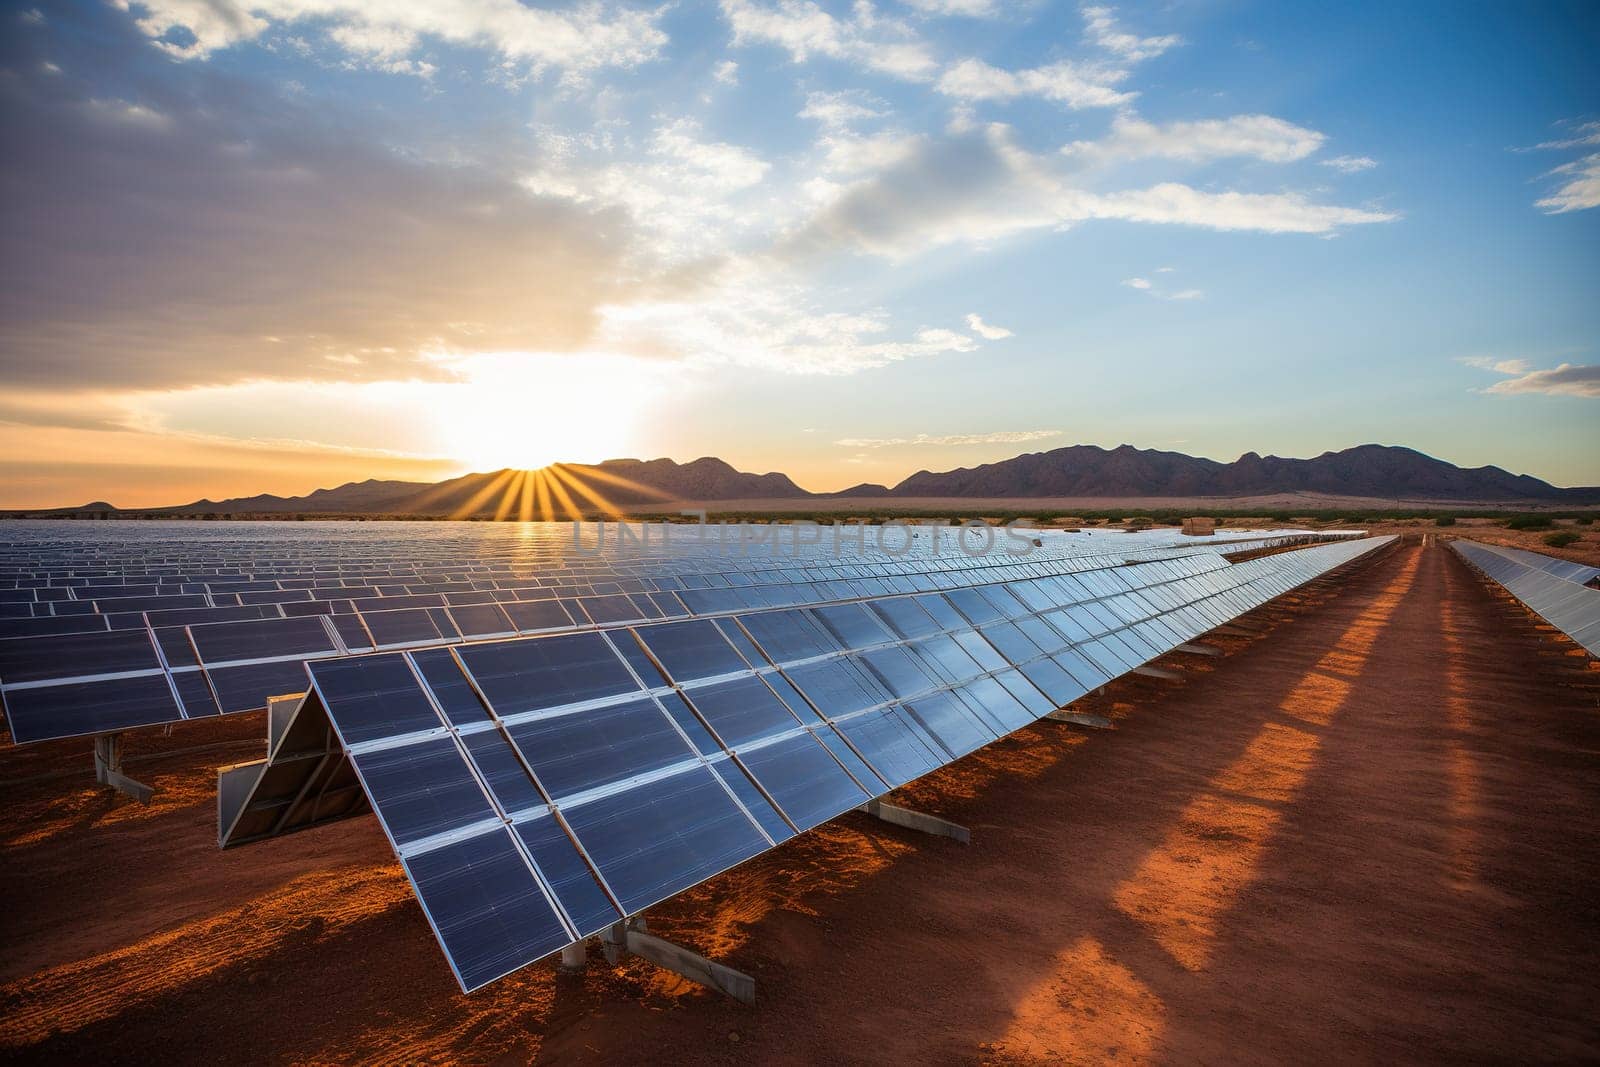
[(551, 494)]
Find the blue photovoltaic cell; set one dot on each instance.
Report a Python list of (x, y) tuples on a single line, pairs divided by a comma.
[(837, 687), (583, 750), (742, 710), (893, 746), (422, 789), (754, 801), (247, 687), (661, 838), (489, 911), (501, 770), (374, 697), (951, 723), (89, 707), (450, 687), (195, 692), (546, 672), (787, 636), (32, 659), (805, 780), (691, 650), (568, 875), (265, 639)]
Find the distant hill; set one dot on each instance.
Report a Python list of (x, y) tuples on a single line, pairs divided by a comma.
[(1365, 471), (629, 483), (1369, 472)]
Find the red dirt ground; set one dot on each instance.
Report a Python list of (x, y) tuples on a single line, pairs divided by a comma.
[(1368, 834)]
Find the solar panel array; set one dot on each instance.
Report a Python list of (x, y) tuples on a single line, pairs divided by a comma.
[(1552, 588), (539, 789), (108, 626)]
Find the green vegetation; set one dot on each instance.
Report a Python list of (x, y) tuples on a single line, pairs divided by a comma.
[(1529, 522), (1445, 520), (1561, 539)]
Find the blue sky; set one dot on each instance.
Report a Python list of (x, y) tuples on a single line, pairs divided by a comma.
[(277, 245)]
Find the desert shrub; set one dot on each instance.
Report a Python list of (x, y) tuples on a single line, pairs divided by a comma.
[(1561, 539), (1528, 522), (1583, 520), (1445, 520)]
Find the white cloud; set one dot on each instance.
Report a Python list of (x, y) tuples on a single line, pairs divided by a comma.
[(689, 195), (1350, 164), (1257, 136), (1145, 285), (1587, 133), (751, 313), (1171, 202), (977, 9), (1077, 85), (1165, 270), (1581, 190), (1499, 366), (846, 154), (998, 437), (986, 331), (841, 109), (979, 185), (1102, 29), (591, 36), (727, 73), (804, 29), (1568, 379)]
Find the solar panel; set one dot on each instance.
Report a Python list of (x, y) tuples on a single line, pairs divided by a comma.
[(1553, 589), (238, 611)]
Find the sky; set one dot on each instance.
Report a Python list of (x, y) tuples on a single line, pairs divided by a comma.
[(277, 245)]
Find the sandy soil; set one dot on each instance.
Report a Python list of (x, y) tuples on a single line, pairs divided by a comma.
[(1366, 834)]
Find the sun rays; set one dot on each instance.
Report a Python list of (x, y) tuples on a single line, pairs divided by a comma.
[(557, 493)]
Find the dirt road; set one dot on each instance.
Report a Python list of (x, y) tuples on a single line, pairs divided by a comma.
[(1369, 833)]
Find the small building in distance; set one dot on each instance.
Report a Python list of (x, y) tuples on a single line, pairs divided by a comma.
[(1199, 527)]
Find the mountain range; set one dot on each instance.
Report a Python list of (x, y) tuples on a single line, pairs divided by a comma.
[(1369, 472)]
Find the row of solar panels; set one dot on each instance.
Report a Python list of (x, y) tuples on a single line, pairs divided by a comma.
[(539, 790), (133, 607), (53, 583), (1552, 588), (122, 599), (179, 665)]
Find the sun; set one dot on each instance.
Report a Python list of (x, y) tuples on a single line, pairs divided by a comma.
[(527, 412)]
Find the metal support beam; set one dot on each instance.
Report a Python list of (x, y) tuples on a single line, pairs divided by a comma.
[(917, 820), (632, 936), (1080, 718), (1158, 672), (1232, 630), (108, 769), (574, 958), (1198, 650)]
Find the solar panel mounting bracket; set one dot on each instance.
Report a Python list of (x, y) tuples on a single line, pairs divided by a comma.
[(108, 769), (632, 936), (1158, 672), (1080, 718), (917, 820)]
